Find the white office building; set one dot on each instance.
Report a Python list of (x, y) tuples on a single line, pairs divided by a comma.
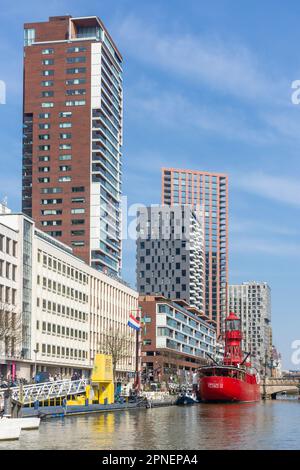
[(66, 308)]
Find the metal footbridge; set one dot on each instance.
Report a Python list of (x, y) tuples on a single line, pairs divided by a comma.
[(28, 394)]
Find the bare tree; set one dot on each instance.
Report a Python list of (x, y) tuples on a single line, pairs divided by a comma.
[(118, 344), (10, 330)]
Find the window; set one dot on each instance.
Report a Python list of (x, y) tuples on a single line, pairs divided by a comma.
[(76, 233), (78, 200), (51, 212), (47, 94), (76, 103), (76, 49), (64, 125), (48, 61), (65, 136), (44, 115), (47, 51), (78, 189), (65, 157), (51, 190), (45, 158), (79, 91), (65, 168), (76, 81), (47, 105), (65, 114), (44, 136), (29, 36), (65, 146), (51, 201), (77, 211), (44, 126), (75, 60), (64, 179), (44, 147), (47, 73), (77, 221), (47, 83), (76, 70), (44, 180)]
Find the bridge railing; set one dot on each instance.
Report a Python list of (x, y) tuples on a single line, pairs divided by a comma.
[(44, 391)]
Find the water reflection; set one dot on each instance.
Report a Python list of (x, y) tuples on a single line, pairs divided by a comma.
[(270, 425)]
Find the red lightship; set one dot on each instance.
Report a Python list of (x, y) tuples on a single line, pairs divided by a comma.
[(234, 380)]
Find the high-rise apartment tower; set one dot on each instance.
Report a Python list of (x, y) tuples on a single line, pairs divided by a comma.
[(72, 142), (208, 192)]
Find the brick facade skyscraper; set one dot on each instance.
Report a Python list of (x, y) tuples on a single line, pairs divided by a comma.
[(208, 191), (72, 139)]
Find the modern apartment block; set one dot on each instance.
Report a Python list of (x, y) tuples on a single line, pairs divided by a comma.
[(175, 339), (207, 192), (72, 136), (251, 301), (170, 251), (68, 309)]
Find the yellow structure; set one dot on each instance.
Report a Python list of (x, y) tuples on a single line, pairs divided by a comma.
[(101, 390)]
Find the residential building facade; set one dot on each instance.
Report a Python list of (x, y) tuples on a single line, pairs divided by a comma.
[(207, 192), (175, 339), (170, 254), (72, 139), (68, 309), (251, 301)]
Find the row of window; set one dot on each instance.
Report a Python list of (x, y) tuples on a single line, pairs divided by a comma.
[(50, 93), (60, 330), (8, 270), (69, 50), (67, 103), (8, 295), (69, 60), (71, 81), (62, 352), (8, 246), (75, 189), (50, 72), (62, 268), (63, 310)]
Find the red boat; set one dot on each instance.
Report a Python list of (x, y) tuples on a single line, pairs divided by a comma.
[(234, 380)]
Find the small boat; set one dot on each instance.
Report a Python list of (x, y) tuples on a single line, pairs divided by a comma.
[(24, 423), (234, 380), (185, 399), (9, 431)]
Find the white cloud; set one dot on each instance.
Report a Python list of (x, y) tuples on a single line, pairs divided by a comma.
[(174, 111), (228, 67), (278, 188), (248, 245)]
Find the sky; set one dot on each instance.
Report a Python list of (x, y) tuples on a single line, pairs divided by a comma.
[(207, 86)]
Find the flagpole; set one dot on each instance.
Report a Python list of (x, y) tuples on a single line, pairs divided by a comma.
[(137, 381)]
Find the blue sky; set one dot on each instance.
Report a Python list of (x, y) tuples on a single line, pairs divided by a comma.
[(207, 85)]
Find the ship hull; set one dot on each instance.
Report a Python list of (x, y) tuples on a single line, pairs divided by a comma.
[(228, 389)]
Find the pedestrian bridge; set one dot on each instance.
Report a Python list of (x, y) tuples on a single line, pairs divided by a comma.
[(28, 394), (271, 386)]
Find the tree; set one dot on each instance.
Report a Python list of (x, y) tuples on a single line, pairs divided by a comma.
[(118, 344), (10, 330)]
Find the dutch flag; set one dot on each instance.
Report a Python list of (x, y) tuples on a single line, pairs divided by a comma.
[(134, 323)]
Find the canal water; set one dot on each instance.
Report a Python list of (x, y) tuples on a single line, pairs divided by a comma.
[(265, 425)]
